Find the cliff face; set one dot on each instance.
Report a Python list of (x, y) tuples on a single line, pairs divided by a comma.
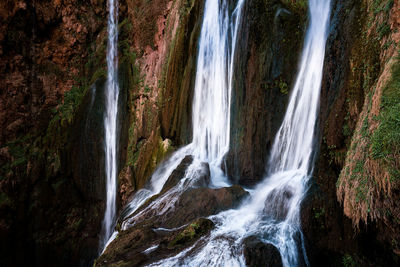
[(51, 52), (271, 36), (52, 188), (160, 105), (357, 126), (369, 183)]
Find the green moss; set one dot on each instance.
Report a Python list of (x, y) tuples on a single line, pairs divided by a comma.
[(382, 5), (383, 30), (4, 200), (191, 232), (348, 261), (298, 5), (386, 138)]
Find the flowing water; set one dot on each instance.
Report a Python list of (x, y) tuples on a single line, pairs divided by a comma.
[(110, 124), (272, 211)]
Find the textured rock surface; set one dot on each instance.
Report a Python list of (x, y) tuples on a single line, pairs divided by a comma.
[(46, 60), (160, 106)]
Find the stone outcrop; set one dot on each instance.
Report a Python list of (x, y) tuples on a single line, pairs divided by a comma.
[(258, 253)]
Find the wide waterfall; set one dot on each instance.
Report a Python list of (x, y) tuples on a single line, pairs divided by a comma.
[(271, 214), (110, 124)]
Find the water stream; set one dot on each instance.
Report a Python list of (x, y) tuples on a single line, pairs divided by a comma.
[(110, 125)]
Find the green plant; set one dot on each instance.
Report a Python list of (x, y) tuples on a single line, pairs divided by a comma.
[(386, 138), (383, 30), (348, 261)]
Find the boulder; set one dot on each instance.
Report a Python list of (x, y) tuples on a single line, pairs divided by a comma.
[(143, 245), (257, 253)]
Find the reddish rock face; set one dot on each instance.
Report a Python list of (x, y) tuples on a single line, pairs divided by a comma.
[(44, 46), (43, 49)]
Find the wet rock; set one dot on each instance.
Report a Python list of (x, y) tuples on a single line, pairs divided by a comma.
[(203, 202), (278, 203), (265, 67), (178, 173), (202, 176), (179, 208), (258, 253), (143, 244), (191, 233)]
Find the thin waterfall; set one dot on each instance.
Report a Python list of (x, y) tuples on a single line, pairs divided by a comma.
[(211, 105), (272, 212), (293, 143), (110, 124)]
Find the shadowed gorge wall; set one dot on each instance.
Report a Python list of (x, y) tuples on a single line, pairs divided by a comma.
[(52, 183), (360, 53)]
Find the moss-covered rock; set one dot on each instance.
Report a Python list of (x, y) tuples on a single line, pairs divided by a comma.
[(191, 233), (143, 245)]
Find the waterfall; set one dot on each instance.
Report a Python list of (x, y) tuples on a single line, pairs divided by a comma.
[(272, 213), (213, 85), (211, 105), (110, 124)]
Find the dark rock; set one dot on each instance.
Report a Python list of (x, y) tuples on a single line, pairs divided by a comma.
[(258, 253), (202, 176), (278, 203), (191, 233), (270, 36), (188, 205), (177, 174), (143, 245), (203, 202)]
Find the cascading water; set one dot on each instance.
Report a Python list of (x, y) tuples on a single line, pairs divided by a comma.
[(273, 209), (110, 125), (211, 106)]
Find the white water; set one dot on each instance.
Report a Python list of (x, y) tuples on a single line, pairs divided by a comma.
[(110, 125), (211, 110), (272, 213)]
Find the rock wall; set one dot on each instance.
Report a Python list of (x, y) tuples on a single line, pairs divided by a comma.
[(51, 52), (52, 182), (160, 105), (270, 37), (361, 50)]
